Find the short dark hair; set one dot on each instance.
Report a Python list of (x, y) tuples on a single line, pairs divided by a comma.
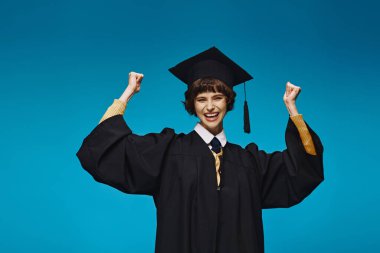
[(208, 85)]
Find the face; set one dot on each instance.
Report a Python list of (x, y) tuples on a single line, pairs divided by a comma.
[(211, 108)]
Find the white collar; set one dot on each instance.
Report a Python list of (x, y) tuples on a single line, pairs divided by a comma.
[(207, 136)]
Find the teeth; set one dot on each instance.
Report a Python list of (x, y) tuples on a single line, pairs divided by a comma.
[(211, 114)]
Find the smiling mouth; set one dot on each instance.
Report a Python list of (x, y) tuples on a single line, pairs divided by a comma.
[(211, 116)]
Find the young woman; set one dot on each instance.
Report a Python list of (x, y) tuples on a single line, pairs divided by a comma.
[(208, 192)]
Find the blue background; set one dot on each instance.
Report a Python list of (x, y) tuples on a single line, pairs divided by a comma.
[(63, 62)]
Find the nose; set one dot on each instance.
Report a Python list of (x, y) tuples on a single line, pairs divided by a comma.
[(210, 106)]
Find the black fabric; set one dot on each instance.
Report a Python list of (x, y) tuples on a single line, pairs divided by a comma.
[(216, 145), (178, 170)]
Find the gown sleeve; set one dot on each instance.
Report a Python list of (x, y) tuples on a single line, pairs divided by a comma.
[(288, 176), (115, 156)]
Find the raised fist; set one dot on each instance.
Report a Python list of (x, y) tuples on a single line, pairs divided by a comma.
[(134, 82), (291, 93), (133, 87)]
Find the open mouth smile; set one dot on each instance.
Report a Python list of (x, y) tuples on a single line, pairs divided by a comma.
[(211, 116)]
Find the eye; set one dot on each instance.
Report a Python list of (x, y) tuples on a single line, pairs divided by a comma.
[(219, 98), (200, 99)]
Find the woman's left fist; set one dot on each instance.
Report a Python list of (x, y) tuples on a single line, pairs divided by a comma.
[(291, 93)]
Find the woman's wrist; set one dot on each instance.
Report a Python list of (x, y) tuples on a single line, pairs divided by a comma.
[(126, 96), (292, 109)]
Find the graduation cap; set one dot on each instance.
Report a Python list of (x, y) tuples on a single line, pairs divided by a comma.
[(213, 63)]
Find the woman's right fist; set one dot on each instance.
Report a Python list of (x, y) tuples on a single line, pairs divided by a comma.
[(134, 82), (133, 87)]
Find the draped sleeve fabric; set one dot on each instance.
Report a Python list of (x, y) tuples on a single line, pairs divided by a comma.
[(288, 176), (131, 163)]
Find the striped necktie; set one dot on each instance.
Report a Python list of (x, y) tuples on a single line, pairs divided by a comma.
[(216, 145), (217, 152)]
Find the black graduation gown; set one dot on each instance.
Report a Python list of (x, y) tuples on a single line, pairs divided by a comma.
[(178, 170)]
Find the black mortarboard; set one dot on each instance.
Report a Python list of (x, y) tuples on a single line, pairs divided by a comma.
[(213, 63)]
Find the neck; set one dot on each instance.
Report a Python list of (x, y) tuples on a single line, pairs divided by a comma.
[(215, 130)]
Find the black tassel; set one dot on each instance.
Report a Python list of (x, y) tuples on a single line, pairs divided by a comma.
[(247, 125)]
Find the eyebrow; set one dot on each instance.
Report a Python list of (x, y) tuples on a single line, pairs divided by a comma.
[(216, 95)]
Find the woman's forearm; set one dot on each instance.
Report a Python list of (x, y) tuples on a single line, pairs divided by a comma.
[(127, 95), (117, 108), (119, 105), (292, 109)]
